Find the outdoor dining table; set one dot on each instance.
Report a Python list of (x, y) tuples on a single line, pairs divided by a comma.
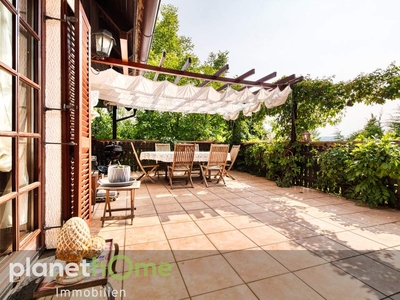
[(168, 156)]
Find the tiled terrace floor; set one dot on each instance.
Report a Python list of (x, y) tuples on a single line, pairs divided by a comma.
[(254, 240)]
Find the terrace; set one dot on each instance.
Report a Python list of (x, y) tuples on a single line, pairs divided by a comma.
[(254, 240)]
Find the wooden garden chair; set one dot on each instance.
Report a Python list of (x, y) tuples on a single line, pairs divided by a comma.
[(145, 169), (162, 165), (182, 165), (233, 154), (216, 163)]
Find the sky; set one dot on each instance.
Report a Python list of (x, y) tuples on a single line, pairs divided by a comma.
[(319, 38)]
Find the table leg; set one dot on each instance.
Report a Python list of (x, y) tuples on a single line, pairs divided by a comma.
[(132, 205), (109, 291), (107, 204), (108, 201)]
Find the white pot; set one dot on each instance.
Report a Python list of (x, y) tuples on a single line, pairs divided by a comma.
[(118, 174)]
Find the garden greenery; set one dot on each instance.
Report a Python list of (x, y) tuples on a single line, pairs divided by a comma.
[(364, 171), (367, 171)]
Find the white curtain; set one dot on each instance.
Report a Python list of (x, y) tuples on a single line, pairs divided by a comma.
[(5, 124), (142, 93)]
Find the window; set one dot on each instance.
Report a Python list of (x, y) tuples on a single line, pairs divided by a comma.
[(20, 135)]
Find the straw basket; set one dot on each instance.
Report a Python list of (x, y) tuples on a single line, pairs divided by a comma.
[(73, 243)]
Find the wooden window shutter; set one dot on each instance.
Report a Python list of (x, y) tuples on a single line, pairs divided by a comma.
[(76, 122)]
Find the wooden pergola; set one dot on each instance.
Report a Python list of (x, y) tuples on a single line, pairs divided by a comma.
[(130, 67)]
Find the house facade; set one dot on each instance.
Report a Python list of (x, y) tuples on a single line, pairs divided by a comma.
[(45, 105)]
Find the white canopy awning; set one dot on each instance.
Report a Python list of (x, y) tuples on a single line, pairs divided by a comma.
[(141, 93)]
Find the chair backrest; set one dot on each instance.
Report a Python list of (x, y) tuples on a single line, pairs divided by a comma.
[(234, 153), (137, 158), (218, 155), (183, 155), (162, 147), (196, 147)]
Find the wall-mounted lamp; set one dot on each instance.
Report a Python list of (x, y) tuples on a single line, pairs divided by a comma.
[(102, 43), (306, 136)]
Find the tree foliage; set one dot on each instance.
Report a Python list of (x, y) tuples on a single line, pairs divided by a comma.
[(168, 126), (394, 122), (321, 101), (373, 129)]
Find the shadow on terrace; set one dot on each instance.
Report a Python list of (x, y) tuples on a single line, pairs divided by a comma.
[(253, 240)]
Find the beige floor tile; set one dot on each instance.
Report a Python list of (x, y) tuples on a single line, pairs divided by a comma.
[(239, 292), (393, 228), (379, 235), (206, 195), (317, 212), (208, 274), (194, 205), (326, 248), (365, 218), (217, 203), (152, 252), (379, 276), (174, 217), (269, 217), (251, 208), (169, 207), (145, 234), (333, 283), (118, 236), (145, 210), (395, 297), (283, 287), (230, 241), (244, 221), (343, 222), (320, 226), (156, 287), (263, 235), (192, 247), (183, 229), (293, 230), (145, 220), (186, 197), (200, 214), (389, 257), (293, 256), (274, 205), (214, 225), (357, 242), (293, 215), (254, 264), (229, 211), (238, 201)]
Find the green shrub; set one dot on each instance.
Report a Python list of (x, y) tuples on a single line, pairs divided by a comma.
[(370, 168), (276, 161), (332, 176)]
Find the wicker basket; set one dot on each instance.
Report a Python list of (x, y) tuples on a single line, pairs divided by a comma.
[(96, 247), (74, 240)]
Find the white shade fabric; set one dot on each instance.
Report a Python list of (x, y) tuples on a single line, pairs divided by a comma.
[(141, 93)]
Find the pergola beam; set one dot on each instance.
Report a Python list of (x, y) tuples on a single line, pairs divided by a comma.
[(262, 79), (184, 68), (218, 73), (238, 79), (164, 54), (285, 79), (134, 65)]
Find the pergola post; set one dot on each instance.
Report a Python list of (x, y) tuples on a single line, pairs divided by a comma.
[(114, 122), (293, 136)]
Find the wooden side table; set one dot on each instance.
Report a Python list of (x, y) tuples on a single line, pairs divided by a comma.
[(48, 285), (107, 208)]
